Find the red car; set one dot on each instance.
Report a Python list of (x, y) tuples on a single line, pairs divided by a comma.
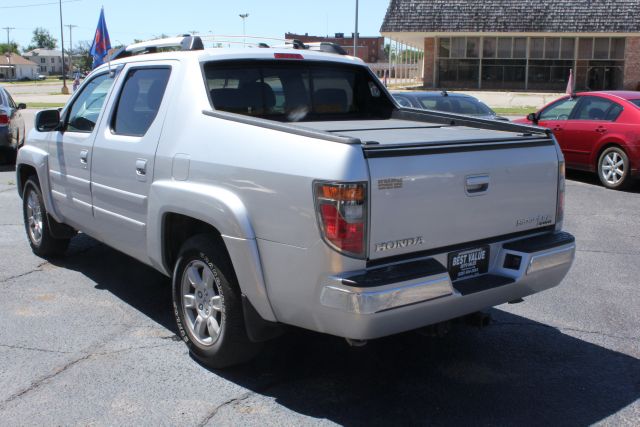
[(598, 132)]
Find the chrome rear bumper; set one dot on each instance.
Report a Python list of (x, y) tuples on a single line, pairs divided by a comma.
[(368, 293)]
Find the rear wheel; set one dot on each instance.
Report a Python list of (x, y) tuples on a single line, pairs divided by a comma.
[(614, 169), (36, 223), (207, 304)]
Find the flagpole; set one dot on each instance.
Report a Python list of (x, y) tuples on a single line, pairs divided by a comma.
[(65, 89)]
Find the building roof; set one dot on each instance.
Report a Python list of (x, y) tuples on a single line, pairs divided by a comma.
[(44, 52), (15, 60), (535, 16)]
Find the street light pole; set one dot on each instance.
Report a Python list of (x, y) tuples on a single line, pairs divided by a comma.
[(65, 89), (244, 16), (355, 35), (71, 27)]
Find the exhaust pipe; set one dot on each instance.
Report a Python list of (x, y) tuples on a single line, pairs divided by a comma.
[(437, 330), (478, 319), (356, 343)]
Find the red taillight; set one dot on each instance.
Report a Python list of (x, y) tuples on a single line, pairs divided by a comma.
[(342, 216), (288, 56), (4, 119)]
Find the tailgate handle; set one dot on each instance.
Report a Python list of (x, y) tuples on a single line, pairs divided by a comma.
[(476, 184)]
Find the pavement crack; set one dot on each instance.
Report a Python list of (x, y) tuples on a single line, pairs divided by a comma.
[(231, 401), (38, 383), (17, 276), (608, 252), (44, 350), (565, 329)]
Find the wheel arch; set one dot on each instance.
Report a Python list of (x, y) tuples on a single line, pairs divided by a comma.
[(33, 161), (179, 210), (605, 145)]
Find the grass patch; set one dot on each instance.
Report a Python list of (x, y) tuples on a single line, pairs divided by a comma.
[(515, 111), (30, 82), (45, 104)]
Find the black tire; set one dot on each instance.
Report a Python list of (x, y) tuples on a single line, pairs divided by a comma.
[(231, 346), (47, 245), (614, 182)]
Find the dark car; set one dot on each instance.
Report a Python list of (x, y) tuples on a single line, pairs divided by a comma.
[(598, 132), (446, 101), (12, 131)]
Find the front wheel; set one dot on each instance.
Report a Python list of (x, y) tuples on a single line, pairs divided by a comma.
[(207, 304), (614, 169), (36, 223)]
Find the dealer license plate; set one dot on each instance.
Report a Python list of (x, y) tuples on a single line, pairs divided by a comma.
[(468, 263)]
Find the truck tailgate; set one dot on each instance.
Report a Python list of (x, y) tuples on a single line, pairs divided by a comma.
[(433, 187)]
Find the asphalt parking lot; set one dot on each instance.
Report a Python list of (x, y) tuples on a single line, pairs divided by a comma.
[(90, 339)]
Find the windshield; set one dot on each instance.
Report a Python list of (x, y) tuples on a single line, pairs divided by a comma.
[(295, 91), (455, 104), (635, 101)]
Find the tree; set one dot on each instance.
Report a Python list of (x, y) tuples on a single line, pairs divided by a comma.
[(82, 51), (42, 39), (11, 47)]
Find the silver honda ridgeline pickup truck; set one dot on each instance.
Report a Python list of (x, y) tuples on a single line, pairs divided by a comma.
[(281, 186)]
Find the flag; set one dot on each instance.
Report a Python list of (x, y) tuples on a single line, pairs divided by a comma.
[(101, 43), (569, 90)]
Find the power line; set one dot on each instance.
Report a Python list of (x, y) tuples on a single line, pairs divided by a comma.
[(36, 4)]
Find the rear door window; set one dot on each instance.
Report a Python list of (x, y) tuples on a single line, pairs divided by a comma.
[(295, 91), (596, 108), (139, 100)]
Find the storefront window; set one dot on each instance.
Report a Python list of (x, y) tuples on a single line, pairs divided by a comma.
[(585, 48), (504, 47), (617, 48), (445, 48), (473, 47), (503, 73), (458, 48), (458, 73), (536, 47), (551, 48), (601, 48), (568, 48), (489, 48), (520, 47)]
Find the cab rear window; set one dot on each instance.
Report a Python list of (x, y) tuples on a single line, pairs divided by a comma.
[(295, 91)]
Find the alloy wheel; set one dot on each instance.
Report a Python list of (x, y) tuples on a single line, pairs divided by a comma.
[(202, 303), (34, 218), (612, 168)]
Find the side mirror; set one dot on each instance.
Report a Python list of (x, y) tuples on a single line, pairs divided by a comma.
[(47, 120), (532, 117), (22, 106)]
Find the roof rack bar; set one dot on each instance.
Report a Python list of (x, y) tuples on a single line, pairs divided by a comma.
[(188, 42)]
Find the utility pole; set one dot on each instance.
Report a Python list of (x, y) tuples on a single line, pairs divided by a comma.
[(65, 89), (71, 27), (244, 16), (8, 30), (355, 35)]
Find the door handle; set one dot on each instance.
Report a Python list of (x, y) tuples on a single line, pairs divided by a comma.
[(141, 167), (476, 184), (557, 128), (84, 156), (600, 129)]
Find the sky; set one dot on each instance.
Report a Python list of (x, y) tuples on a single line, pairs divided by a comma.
[(144, 19)]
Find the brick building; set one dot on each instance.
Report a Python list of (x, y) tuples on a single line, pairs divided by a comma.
[(370, 49), (521, 44)]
